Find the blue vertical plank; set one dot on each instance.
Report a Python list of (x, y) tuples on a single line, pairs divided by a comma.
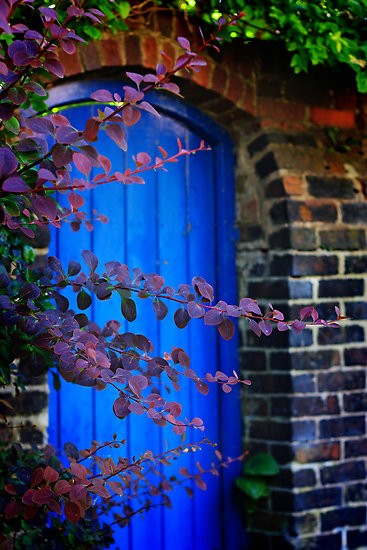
[(203, 340), (173, 252), (74, 404), (141, 243)]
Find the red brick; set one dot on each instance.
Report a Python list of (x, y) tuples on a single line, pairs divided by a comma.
[(293, 185), (219, 80), (150, 52), (71, 62), (110, 52), (247, 102), (89, 56), (332, 117), (234, 89), (281, 111), (203, 77), (132, 48)]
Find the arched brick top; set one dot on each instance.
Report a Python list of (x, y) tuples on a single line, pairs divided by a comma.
[(253, 80)]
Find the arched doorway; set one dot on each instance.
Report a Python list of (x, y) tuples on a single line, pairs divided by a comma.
[(180, 224)]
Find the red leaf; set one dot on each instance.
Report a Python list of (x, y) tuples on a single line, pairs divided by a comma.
[(55, 67), (54, 506), (75, 200), (42, 496), (226, 329), (37, 477), (116, 487), (79, 470), (138, 383), (72, 511), (82, 163), (202, 387), (51, 475), (62, 487), (195, 310), (130, 115)]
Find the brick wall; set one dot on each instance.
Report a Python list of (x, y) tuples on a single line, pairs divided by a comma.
[(301, 181)]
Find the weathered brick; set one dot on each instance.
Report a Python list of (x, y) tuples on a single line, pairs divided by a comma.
[(355, 402), (356, 264), (307, 500), (341, 381), (266, 165), (304, 478), (30, 402), (339, 427), (304, 383), (356, 310), (333, 117), (303, 524), (269, 289), (287, 211), (30, 435), (298, 265), (256, 406), (333, 187), (356, 447), (341, 287), (312, 406), (355, 356), (300, 289), (343, 239), (342, 472), (314, 360), (300, 340), (326, 542), (354, 212), (293, 237), (303, 430), (356, 492), (331, 336), (282, 452), (272, 383), (357, 538), (253, 360), (270, 430), (281, 406), (317, 452), (355, 515)]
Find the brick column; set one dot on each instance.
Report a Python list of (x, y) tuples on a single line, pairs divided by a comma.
[(306, 244)]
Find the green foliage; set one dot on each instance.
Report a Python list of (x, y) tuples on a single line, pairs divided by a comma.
[(254, 481), (324, 32)]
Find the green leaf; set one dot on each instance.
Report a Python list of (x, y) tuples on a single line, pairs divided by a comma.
[(261, 464), (124, 9), (12, 125), (361, 79), (254, 487)]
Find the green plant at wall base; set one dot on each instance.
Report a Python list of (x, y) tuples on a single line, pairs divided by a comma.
[(254, 482)]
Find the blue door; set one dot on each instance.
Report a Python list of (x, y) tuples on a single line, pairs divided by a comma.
[(180, 224)]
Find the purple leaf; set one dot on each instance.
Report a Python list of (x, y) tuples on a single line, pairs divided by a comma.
[(184, 43), (130, 115), (213, 317), (115, 132), (121, 407), (248, 305), (14, 184), (282, 327), (90, 259), (135, 77), (138, 383), (265, 327), (104, 96), (181, 317), (136, 408), (55, 67), (49, 13), (255, 327), (8, 161), (226, 329), (66, 135), (202, 387), (195, 310), (298, 326), (41, 125), (132, 95), (160, 309), (145, 106), (128, 309), (61, 155), (46, 206)]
